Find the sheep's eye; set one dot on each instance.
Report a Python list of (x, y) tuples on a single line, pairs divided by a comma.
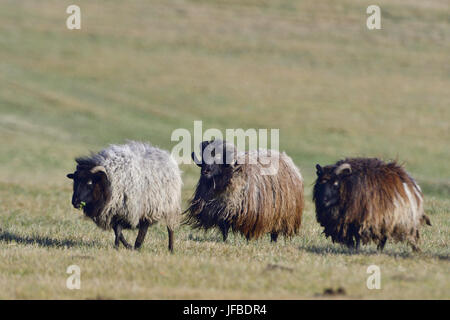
[(336, 183), (89, 183)]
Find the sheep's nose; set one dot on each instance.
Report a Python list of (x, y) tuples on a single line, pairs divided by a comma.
[(75, 203)]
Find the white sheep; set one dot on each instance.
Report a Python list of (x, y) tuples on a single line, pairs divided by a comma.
[(129, 186)]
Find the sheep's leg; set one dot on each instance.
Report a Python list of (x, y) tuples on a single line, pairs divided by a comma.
[(124, 242), (381, 244), (120, 237), (170, 232), (358, 243), (273, 236), (354, 244), (414, 246), (143, 227), (414, 241), (117, 231), (224, 228)]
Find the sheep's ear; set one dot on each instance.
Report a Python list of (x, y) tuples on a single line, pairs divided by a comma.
[(344, 169), (319, 171), (196, 161), (70, 176)]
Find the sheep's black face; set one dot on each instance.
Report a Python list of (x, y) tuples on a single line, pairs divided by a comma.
[(328, 184), (328, 192), (210, 171), (83, 188), (90, 190), (216, 164)]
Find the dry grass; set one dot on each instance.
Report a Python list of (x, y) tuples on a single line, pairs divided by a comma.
[(142, 69)]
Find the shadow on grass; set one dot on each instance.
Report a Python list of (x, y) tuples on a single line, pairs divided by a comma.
[(233, 238), (323, 250), (330, 250), (445, 257), (7, 236), (205, 238)]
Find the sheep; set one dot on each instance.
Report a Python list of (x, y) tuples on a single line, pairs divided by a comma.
[(365, 199), (129, 186), (233, 193)]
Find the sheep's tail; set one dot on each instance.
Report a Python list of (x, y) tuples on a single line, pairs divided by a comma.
[(426, 219)]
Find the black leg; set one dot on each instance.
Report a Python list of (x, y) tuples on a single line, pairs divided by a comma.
[(117, 232), (354, 244), (224, 228), (120, 237), (143, 227), (273, 236), (414, 246), (124, 242), (170, 232), (358, 242), (381, 244)]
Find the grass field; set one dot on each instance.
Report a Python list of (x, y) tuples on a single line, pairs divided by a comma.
[(140, 69)]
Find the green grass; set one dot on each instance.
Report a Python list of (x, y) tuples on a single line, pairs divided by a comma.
[(142, 69)]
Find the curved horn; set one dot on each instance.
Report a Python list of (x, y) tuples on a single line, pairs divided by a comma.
[(195, 159), (345, 167), (98, 169)]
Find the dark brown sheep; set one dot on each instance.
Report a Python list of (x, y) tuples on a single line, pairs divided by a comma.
[(236, 194), (363, 200)]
